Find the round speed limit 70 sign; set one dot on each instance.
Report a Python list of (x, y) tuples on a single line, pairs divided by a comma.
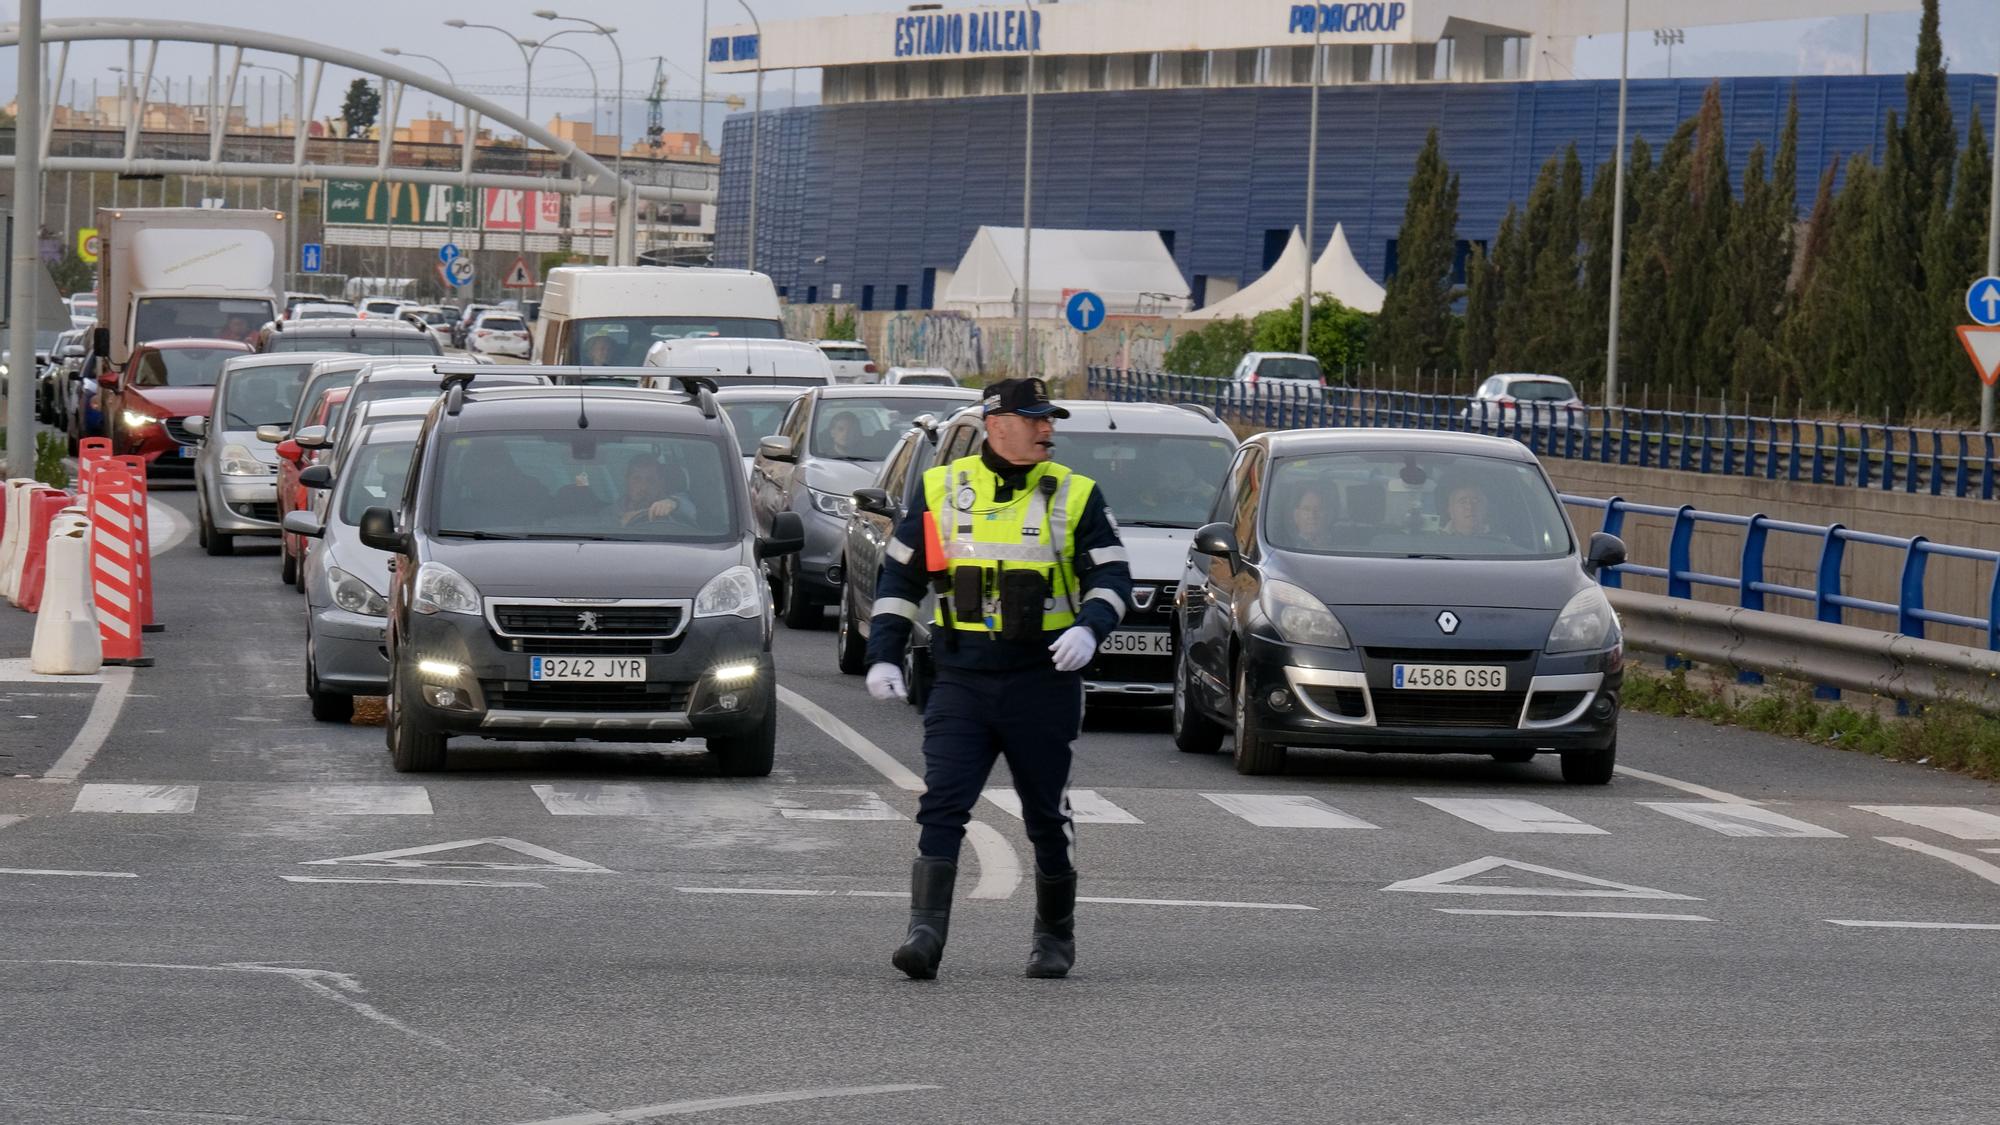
[(88, 246)]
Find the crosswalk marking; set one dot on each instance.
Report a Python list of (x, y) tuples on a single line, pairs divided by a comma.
[(1955, 821), (681, 803), (1086, 806), (336, 800), (855, 804), (1740, 820), (102, 798), (1503, 814), (1284, 810)]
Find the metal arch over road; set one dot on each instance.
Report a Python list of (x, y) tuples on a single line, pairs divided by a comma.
[(596, 178)]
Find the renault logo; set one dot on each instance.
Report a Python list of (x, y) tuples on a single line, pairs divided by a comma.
[(586, 622), (1448, 621)]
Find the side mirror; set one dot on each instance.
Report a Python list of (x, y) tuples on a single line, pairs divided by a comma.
[(378, 530), (777, 447), (1218, 541), (1604, 552), (316, 476), (196, 424), (312, 437), (108, 378), (788, 535), (271, 434), (100, 340), (874, 501), (290, 451), (302, 522)]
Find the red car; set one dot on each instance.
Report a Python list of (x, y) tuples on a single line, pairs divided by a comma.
[(293, 496), (145, 405)]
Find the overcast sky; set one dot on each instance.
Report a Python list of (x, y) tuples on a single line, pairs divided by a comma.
[(673, 29)]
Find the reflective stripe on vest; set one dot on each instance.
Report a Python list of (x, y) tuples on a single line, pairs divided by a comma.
[(1030, 531)]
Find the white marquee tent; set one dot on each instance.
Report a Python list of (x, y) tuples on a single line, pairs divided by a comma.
[(1336, 273), (1130, 269)]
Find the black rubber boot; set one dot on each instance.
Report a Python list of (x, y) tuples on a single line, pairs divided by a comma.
[(1054, 951), (931, 882)]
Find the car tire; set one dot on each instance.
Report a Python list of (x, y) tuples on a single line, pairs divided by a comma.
[(299, 570), (200, 527), (1514, 757), (1255, 752), (1590, 767), (1194, 732), (327, 706), (288, 565), (800, 611), (752, 753), (851, 652), (413, 746)]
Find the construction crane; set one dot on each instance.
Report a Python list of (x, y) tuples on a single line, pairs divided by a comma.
[(656, 127), (731, 100)]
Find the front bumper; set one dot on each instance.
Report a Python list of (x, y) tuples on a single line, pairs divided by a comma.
[(243, 505), (826, 545), (349, 650), (494, 697), (1308, 696)]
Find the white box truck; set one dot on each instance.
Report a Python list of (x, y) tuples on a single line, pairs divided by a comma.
[(171, 272), (609, 316)]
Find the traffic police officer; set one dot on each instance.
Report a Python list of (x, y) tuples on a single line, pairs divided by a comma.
[(1031, 577)]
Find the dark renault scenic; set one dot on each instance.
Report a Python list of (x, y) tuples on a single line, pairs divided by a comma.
[(1382, 590), (578, 563)]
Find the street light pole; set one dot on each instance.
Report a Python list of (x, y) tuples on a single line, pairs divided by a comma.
[(452, 222), (1992, 246), (26, 259), (1312, 187), (594, 94), (629, 252), (756, 119), (527, 60), (1028, 202), (1618, 219)]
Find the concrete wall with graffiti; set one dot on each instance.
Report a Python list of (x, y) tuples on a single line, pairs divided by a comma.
[(988, 348)]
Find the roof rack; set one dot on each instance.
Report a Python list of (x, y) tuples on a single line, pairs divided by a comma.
[(694, 383), (456, 378), (1200, 409)]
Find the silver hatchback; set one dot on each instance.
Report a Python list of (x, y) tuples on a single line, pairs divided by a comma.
[(235, 474)]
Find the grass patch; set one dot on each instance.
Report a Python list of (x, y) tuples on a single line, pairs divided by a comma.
[(1946, 735)]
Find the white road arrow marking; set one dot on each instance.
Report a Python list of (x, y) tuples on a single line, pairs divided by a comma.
[(1446, 882), (404, 857)]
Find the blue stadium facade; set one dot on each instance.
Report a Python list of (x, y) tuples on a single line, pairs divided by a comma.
[(878, 197)]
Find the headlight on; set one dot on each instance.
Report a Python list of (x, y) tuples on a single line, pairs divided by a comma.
[(736, 592), (440, 589), (1300, 618), (136, 421), (832, 503), (354, 595), (238, 462), (1586, 624)]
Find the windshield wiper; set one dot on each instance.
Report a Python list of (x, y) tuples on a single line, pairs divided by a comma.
[(1157, 523), (1445, 557), (457, 534), (579, 535)]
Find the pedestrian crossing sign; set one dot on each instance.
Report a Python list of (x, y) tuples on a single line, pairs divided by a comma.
[(519, 276)]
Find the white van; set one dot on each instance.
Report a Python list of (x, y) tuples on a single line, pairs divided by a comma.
[(736, 362), (611, 316)]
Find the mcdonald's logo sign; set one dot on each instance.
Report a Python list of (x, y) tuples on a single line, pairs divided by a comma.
[(374, 202)]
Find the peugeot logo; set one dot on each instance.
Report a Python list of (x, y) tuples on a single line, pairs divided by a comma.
[(586, 622), (1448, 621)]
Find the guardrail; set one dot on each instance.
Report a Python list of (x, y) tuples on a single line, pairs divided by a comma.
[(1874, 456)]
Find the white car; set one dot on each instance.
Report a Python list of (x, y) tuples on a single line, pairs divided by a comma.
[(432, 319), (323, 310), (1541, 402), (383, 308), (743, 361), (499, 333), (82, 310), (1280, 372), (920, 377), (850, 359)]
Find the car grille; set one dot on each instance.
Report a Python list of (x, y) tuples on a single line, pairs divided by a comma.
[(516, 695), (588, 645), (1158, 611), (1449, 655), (266, 510), (567, 621), (1492, 709), (1550, 705), (177, 430), (1347, 702)]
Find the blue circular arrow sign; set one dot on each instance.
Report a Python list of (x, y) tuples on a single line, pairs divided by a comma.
[(448, 252), (1084, 310), (1983, 301)]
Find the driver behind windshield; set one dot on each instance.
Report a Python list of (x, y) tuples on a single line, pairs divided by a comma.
[(237, 328), (654, 491), (600, 351), (1466, 510), (843, 436)]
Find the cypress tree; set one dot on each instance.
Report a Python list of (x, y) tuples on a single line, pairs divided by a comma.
[(1510, 265), (1928, 140), (1415, 321), (1701, 325), (1482, 306), (1954, 257), (1554, 230), (1643, 333), (1804, 355)]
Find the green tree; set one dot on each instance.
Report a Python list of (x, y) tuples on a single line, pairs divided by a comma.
[(1210, 351), (1510, 277), (1414, 327), (72, 274), (1644, 344), (1803, 355), (1538, 315), (1593, 310), (1954, 257), (1482, 306), (1340, 334), (360, 108)]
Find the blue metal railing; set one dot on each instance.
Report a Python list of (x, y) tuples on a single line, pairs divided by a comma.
[(1882, 457)]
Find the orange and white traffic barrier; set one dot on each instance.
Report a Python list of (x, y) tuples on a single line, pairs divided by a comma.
[(114, 553), (88, 452), (43, 504), (143, 536), (15, 517), (66, 630)]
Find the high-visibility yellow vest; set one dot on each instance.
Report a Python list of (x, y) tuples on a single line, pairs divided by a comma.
[(1034, 529)]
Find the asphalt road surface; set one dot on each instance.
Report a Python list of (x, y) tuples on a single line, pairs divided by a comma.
[(216, 910)]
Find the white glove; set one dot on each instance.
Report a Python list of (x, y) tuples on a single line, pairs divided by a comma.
[(1074, 648), (885, 682)]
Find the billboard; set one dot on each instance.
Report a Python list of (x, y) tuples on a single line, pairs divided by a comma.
[(509, 209), (373, 202)]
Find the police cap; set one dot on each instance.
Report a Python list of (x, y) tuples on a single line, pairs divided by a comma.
[(1027, 397)]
